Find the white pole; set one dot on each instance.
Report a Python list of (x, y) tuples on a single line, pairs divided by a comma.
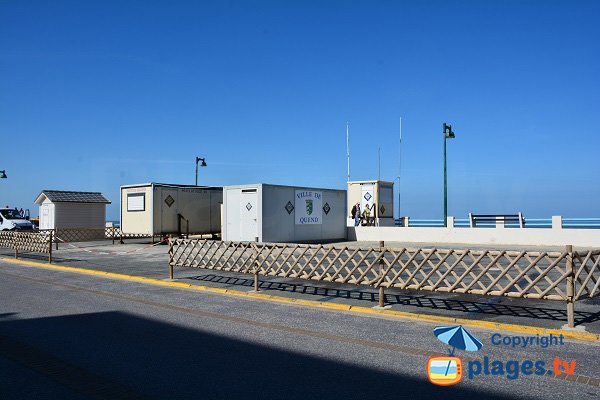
[(399, 166), (348, 150), (379, 163)]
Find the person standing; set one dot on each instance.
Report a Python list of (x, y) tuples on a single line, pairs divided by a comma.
[(357, 215), (367, 214)]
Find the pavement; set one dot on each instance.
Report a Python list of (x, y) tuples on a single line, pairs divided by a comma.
[(140, 258), (77, 336)]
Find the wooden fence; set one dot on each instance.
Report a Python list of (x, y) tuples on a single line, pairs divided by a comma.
[(37, 242), (87, 235), (567, 276)]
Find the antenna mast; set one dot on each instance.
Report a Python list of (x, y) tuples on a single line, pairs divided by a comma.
[(399, 166), (348, 150)]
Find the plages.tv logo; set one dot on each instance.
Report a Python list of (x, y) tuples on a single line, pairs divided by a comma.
[(448, 370)]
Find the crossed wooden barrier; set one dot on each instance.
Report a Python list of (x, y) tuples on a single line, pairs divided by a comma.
[(566, 276)]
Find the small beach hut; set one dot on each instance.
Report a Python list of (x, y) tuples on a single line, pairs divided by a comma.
[(61, 209)]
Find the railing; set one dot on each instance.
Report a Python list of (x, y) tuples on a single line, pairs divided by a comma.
[(37, 242), (565, 276), (567, 223)]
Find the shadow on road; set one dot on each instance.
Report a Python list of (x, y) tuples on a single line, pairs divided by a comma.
[(415, 299), (121, 355)]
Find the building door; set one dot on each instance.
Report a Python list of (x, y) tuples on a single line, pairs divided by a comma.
[(367, 198), (249, 215), (47, 216)]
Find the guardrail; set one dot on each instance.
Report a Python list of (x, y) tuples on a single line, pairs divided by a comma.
[(567, 223), (37, 242), (566, 276)]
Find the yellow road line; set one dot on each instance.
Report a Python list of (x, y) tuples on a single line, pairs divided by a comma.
[(532, 330)]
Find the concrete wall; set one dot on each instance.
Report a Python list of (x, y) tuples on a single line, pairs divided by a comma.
[(556, 236)]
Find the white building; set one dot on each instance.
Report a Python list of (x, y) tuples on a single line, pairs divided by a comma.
[(378, 196), (60, 209), (160, 209), (274, 213)]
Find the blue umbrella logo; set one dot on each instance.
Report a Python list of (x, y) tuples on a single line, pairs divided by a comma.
[(457, 337)]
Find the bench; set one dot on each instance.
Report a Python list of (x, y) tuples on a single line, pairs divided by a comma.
[(497, 218)]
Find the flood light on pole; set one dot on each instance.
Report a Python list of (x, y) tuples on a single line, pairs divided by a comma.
[(198, 159), (448, 134)]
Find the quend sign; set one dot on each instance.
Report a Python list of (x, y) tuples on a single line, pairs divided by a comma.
[(308, 207)]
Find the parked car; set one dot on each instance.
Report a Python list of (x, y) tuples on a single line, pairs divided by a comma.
[(12, 219)]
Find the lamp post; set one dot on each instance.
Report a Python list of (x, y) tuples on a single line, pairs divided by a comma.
[(448, 134), (202, 165), (3, 174)]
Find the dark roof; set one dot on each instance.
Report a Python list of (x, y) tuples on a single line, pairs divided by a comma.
[(64, 196)]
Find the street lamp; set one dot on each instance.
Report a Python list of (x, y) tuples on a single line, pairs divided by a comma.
[(448, 134), (3, 174), (202, 165)]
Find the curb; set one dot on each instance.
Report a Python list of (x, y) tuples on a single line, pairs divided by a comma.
[(532, 330)]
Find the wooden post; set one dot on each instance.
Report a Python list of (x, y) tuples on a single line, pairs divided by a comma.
[(381, 271), (50, 249), (171, 274), (256, 281), (113, 234), (570, 287), (55, 238)]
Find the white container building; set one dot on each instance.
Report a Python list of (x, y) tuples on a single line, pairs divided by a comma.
[(377, 195), (274, 213), (161, 209), (61, 209)]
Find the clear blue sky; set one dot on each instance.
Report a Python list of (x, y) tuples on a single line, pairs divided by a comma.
[(96, 94)]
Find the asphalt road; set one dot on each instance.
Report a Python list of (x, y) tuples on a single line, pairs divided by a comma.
[(72, 336), (141, 259)]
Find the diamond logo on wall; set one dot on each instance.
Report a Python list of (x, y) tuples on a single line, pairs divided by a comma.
[(368, 196), (248, 206), (326, 208), (169, 200), (382, 209), (289, 207)]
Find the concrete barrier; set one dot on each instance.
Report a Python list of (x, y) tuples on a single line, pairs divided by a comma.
[(556, 236)]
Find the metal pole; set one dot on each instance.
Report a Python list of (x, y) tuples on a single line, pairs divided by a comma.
[(570, 288), (445, 183), (196, 171), (381, 269)]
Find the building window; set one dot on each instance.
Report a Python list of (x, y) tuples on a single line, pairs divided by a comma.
[(136, 201)]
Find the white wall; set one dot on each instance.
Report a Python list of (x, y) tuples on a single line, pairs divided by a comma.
[(479, 236), (139, 222), (275, 224), (279, 226)]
